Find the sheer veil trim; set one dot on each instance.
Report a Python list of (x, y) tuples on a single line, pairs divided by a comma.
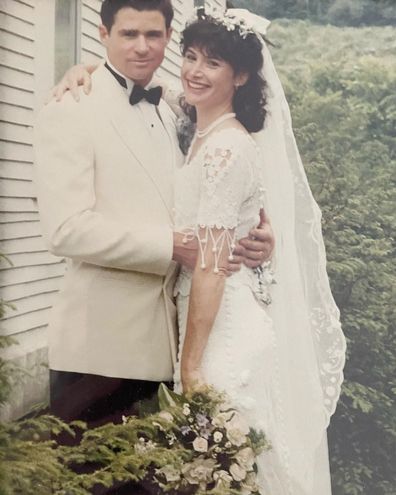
[(287, 167)]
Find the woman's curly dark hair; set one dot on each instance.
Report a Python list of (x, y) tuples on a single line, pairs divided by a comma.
[(244, 54)]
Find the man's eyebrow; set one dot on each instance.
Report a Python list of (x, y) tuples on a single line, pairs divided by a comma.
[(128, 31), (157, 32), (151, 32)]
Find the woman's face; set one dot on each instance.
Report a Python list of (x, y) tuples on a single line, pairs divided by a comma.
[(208, 82)]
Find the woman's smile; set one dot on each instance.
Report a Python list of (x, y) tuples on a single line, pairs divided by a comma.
[(195, 85)]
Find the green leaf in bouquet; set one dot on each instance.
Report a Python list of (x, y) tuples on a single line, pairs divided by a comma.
[(167, 398)]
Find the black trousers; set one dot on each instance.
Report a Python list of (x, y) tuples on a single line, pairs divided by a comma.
[(97, 400)]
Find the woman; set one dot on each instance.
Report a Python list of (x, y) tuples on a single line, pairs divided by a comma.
[(235, 343), (280, 362)]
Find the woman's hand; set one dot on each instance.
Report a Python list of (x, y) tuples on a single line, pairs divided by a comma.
[(78, 75), (191, 378)]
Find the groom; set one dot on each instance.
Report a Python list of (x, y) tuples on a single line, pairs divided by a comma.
[(104, 179)]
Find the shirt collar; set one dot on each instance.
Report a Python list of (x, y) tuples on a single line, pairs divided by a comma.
[(129, 82)]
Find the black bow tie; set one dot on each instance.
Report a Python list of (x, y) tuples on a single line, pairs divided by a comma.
[(152, 95)]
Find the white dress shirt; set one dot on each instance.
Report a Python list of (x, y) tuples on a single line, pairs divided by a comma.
[(151, 119)]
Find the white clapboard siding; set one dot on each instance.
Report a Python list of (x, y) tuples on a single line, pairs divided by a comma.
[(39, 258), (18, 216), (26, 322), (28, 305), (19, 10), (11, 95), (16, 170), (91, 48), (16, 112), (17, 188), (34, 276), (30, 273), (17, 133), (18, 292), (13, 58), (8, 205), (11, 150), (21, 245), (10, 76), (17, 230), (23, 27)]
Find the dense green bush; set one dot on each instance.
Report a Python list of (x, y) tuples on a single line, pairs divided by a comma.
[(363, 12), (341, 86), (338, 12)]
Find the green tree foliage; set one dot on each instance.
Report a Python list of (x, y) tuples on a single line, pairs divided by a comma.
[(338, 12), (341, 86)]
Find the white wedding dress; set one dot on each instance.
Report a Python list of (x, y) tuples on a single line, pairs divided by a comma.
[(222, 187)]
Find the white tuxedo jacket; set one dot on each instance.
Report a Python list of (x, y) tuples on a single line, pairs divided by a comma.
[(105, 200)]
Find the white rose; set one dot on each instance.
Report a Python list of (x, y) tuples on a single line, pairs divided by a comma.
[(245, 458), (199, 471), (238, 422), (166, 416), (186, 409), (237, 472), (250, 485), (217, 436), (170, 472), (221, 419), (200, 444), (236, 437), (223, 479)]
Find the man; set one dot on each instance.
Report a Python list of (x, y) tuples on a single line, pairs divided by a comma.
[(104, 177)]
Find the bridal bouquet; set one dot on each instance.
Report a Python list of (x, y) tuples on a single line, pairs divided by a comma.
[(215, 448)]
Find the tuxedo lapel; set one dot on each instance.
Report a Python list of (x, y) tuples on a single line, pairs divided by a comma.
[(129, 126)]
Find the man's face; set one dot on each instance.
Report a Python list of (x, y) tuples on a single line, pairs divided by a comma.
[(136, 43)]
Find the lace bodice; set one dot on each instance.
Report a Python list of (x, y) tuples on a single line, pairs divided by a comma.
[(221, 186)]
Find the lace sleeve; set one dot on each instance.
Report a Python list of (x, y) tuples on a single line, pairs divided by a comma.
[(225, 178), (223, 187)]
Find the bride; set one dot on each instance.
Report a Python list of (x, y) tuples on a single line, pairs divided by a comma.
[(276, 349), (280, 363)]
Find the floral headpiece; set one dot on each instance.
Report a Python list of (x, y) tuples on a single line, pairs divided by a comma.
[(241, 19)]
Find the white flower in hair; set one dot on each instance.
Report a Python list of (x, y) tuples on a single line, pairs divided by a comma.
[(253, 22), (245, 21)]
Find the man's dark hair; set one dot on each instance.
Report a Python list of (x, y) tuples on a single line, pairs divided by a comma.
[(111, 7)]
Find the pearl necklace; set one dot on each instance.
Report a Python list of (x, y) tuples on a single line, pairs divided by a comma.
[(214, 124)]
